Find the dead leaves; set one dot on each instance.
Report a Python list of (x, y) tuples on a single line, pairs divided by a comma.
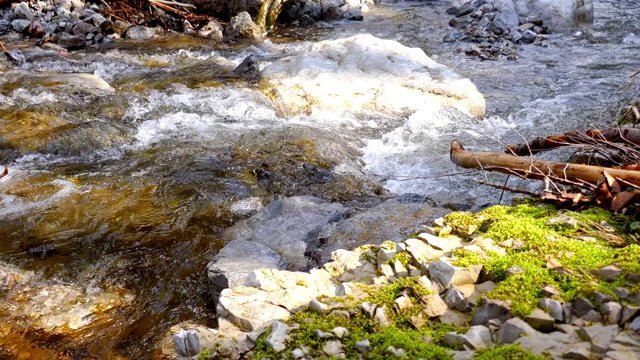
[(614, 193)]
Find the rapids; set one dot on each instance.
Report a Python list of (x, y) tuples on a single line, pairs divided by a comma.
[(130, 190)]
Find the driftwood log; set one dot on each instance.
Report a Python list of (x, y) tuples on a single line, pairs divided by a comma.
[(629, 136), (538, 169)]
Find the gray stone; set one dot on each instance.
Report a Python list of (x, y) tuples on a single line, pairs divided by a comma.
[(602, 298), (4, 25), (318, 307), (455, 318), (390, 221), (455, 300), (353, 14), (23, 12), (20, 25), (512, 330), (448, 275), (249, 69), (635, 325), (612, 312), (402, 304), (82, 28), (553, 307), (421, 252), (541, 321), (323, 334), (288, 226), (628, 313), (627, 338), (591, 316), (340, 332), (599, 335), (71, 42), (453, 339), (439, 243), (578, 353), (297, 354), (491, 309), (399, 269), (120, 27), (581, 306), (478, 337), (277, 337), (513, 271), (386, 270), (333, 348), (397, 352), (563, 220), (363, 346), (609, 272), (140, 33), (242, 27)]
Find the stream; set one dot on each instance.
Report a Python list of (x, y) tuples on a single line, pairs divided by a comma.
[(121, 197)]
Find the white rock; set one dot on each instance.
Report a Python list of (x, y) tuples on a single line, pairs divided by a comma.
[(363, 72)]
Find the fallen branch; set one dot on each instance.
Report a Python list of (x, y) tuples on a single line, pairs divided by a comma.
[(610, 135), (537, 169), (172, 3)]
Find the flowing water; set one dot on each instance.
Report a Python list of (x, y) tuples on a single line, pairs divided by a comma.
[(128, 192)]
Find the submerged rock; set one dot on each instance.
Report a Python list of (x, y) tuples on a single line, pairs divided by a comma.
[(392, 220), (288, 226), (363, 72)]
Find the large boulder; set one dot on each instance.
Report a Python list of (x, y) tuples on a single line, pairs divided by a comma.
[(362, 73), (287, 226), (393, 220), (557, 15)]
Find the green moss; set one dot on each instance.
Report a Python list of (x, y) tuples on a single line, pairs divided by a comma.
[(506, 352), (403, 257), (463, 223), (387, 294)]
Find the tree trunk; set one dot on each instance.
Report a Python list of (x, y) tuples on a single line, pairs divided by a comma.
[(537, 169)]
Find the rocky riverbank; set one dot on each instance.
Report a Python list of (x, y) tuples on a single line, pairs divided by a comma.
[(499, 284)]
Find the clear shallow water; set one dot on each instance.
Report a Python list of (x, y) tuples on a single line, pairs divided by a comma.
[(133, 189)]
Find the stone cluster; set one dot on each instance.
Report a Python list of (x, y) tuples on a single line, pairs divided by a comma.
[(307, 12), (75, 24), (493, 32), (583, 329)]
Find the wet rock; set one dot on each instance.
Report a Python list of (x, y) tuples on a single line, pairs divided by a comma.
[(248, 69), (72, 42), (491, 309), (242, 27), (232, 265), (557, 15), (288, 226), (12, 276), (140, 33), (4, 25), (354, 14), (22, 11), (16, 57), (187, 343), (324, 78), (389, 221), (248, 206), (20, 25), (120, 27), (82, 28)]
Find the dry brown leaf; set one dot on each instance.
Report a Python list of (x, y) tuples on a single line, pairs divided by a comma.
[(622, 199), (603, 195), (612, 182), (4, 173)]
